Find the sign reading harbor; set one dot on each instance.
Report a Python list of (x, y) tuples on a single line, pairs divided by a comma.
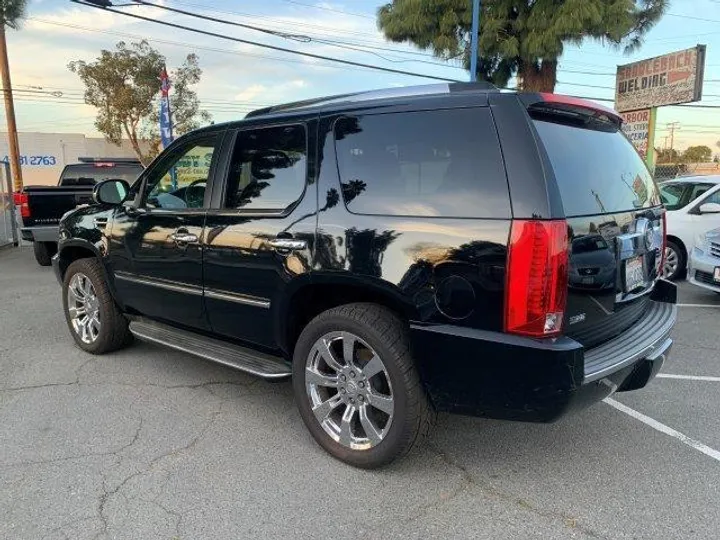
[(664, 80)]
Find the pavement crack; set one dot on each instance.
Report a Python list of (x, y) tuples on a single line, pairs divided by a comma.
[(470, 481), (108, 494)]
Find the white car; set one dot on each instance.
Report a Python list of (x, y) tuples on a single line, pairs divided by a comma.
[(704, 264), (693, 207)]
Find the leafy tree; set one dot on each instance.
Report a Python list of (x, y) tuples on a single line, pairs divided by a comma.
[(697, 154), (518, 37), (12, 12), (124, 85)]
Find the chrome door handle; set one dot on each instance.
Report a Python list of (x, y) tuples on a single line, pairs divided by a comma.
[(287, 244), (184, 238)]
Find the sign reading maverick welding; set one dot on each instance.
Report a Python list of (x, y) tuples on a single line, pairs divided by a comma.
[(664, 80)]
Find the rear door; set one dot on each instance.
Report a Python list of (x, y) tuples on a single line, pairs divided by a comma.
[(258, 238), (614, 219)]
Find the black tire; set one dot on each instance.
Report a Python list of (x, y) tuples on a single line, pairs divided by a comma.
[(681, 258), (114, 333), (44, 252), (381, 329)]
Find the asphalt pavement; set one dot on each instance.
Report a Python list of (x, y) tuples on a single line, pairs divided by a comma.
[(150, 443)]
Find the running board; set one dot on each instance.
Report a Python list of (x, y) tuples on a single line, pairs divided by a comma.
[(248, 360)]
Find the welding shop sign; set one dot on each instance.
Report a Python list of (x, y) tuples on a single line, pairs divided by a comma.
[(664, 80)]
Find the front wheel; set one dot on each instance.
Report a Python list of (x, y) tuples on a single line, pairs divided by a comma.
[(357, 388), (94, 320)]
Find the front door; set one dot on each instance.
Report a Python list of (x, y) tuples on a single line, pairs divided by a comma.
[(259, 237), (156, 249)]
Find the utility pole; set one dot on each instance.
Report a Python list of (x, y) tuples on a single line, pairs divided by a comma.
[(672, 126), (474, 38), (13, 143)]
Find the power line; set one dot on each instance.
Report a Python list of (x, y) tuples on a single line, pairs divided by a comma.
[(325, 8), (267, 46), (270, 20), (303, 38), (198, 47)]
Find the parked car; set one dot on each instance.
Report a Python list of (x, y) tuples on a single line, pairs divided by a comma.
[(41, 207), (395, 253), (693, 205), (704, 264)]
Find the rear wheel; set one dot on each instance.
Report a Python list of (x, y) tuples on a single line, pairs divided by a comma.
[(674, 262), (94, 320), (357, 388), (44, 252)]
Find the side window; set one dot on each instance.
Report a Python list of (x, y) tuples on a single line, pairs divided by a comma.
[(268, 169), (432, 163), (699, 189), (714, 198), (181, 177)]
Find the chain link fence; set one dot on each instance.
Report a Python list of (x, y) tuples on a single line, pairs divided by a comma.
[(668, 171)]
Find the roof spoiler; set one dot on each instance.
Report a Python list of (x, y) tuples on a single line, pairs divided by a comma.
[(570, 103)]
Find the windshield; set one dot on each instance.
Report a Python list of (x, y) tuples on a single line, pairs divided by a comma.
[(598, 170), (90, 174)]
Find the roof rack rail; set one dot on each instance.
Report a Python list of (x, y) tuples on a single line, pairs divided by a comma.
[(399, 92)]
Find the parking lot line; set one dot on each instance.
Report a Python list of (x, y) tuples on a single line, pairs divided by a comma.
[(692, 443), (688, 377), (699, 305)]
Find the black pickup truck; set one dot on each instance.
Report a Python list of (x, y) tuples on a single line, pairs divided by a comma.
[(41, 207), (396, 253)]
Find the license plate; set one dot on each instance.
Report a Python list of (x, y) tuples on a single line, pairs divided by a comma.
[(634, 274), (716, 275), (587, 281)]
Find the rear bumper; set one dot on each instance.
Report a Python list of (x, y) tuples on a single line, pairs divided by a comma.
[(496, 375), (40, 234)]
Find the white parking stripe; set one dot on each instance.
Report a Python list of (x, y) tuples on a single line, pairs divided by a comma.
[(692, 443), (699, 305), (688, 377)]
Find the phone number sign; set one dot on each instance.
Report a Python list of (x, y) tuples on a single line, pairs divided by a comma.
[(636, 125)]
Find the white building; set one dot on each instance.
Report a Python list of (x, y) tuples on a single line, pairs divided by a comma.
[(43, 155)]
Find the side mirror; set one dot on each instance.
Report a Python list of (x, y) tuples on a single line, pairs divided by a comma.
[(111, 192), (709, 208)]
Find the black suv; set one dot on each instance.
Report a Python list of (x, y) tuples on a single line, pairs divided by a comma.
[(397, 253)]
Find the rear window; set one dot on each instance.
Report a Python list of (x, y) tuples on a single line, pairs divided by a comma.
[(597, 169), (431, 163), (90, 174)]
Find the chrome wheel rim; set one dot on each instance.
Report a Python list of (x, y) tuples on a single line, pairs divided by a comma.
[(83, 308), (349, 390), (670, 264)]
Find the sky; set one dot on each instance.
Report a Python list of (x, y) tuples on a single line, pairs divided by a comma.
[(240, 77)]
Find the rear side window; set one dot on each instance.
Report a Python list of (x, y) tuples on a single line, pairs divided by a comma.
[(433, 163), (268, 170), (597, 169)]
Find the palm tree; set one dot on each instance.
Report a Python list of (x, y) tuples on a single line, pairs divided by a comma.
[(11, 13)]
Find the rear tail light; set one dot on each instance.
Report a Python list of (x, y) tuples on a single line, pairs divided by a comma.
[(664, 243), (537, 278), (21, 202)]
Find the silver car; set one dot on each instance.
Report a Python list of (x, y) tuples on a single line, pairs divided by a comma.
[(704, 265)]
